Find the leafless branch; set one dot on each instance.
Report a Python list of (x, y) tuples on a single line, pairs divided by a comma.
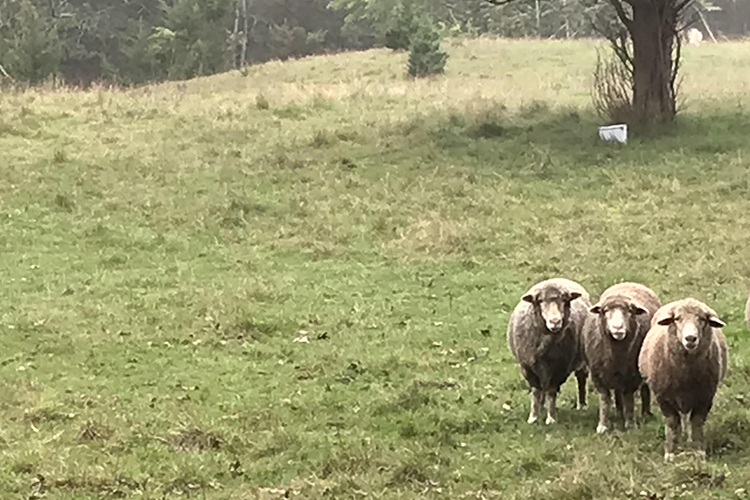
[(676, 63), (619, 39), (681, 5), (627, 21), (622, 51), (705, 24), (5, 73), (499, 2), (687, 22)]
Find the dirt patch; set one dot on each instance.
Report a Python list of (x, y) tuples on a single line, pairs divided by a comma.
[(197, 440), (93, 431), (43, 415), (117, 487)]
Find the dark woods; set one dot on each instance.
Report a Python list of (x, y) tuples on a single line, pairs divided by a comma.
[(130, 42)]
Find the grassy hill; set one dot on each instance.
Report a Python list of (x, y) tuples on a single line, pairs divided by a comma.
[(163, 248)]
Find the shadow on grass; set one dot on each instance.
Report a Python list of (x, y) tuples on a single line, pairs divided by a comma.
[(545, 143)]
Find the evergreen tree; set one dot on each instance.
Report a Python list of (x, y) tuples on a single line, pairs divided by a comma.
[(30, 44), (425, 56)]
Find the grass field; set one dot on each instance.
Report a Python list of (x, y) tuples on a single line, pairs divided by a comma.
[(163, 248)]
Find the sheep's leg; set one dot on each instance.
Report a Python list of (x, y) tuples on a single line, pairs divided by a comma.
[(619, 407), (537, 395), (581, 376), (697, 419), (628, 401), (537, 403), (605, 407), (645, 401), (551, 397), (673, 431)]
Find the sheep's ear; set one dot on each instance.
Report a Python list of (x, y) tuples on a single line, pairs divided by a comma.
[(573, 296), (716, 322), (595, 309), (638, 310), (529, 297), (666, 321)]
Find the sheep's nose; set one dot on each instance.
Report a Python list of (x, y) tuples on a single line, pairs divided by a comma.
[(616, 321), (691, 339), (554, 325)]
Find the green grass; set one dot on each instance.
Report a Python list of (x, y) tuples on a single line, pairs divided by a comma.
[(162, 247)]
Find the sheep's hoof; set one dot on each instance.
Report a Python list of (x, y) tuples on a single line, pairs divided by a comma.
[(669, 457), (630, 424), (581, 406), (550, 420), (601, 429), (532, 419)]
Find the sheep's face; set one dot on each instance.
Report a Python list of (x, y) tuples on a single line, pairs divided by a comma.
[(691, 324), (618, 317), (554, 307)]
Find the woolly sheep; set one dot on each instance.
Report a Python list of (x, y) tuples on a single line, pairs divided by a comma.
[(683, 359), (612, 339), (693, 36), (544, 336)]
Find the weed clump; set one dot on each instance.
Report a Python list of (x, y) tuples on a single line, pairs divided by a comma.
[(197, 440), (92, 431), (64, 203), (262, 103)]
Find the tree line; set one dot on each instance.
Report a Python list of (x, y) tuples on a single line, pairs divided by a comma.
[(135, 41)]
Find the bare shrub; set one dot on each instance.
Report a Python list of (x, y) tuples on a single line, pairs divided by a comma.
[(612, 92)]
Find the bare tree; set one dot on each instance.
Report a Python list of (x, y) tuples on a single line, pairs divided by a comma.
[(242, 30), (649, 46), (653, 26)]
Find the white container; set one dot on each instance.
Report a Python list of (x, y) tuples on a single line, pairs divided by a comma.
[(617, 133)]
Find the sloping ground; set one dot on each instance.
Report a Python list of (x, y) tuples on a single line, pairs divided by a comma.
[(164, 247)]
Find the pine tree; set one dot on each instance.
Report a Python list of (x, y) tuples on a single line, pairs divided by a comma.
[(425, 56)]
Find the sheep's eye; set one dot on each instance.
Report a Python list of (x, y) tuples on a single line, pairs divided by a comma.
[(676, 319)]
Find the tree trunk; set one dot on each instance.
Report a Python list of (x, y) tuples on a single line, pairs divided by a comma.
[(654, 37), (235, 36), (245, 34)]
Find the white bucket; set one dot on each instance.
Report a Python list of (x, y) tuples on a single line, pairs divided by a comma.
[(617, 133)]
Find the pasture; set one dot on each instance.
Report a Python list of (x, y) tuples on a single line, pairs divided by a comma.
[(294, 282)]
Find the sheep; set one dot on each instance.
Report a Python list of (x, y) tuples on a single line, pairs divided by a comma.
[(544, 336), (612, 337), (683, 359), (693, 36)]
